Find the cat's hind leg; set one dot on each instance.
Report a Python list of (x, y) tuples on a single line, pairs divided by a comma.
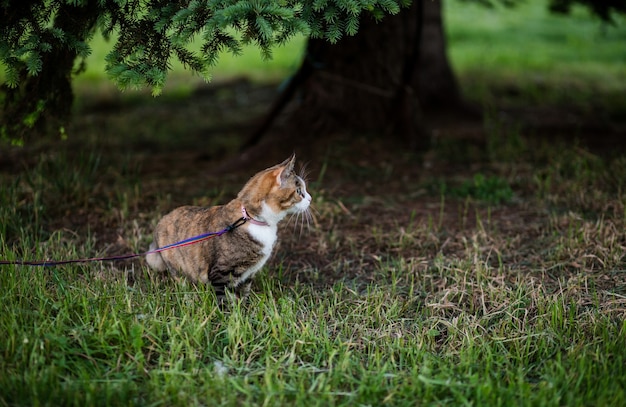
[(155, 260)]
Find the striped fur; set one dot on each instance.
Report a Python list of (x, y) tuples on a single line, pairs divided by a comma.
[(230, 261)]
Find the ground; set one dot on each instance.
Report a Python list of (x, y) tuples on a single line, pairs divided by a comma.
[(488, 270), (372, 197)]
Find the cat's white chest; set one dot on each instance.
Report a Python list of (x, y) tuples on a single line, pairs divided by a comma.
[(266, 235)]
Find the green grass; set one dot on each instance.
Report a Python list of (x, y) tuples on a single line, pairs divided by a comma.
[(96, 343), (528, 37), (494, 308), (492, 189), (511, 290), (80, 340), (548, 58)]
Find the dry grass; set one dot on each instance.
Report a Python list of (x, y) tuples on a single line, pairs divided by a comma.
[(400, 291)]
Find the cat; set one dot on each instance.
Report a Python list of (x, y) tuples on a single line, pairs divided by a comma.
[(228, 262)]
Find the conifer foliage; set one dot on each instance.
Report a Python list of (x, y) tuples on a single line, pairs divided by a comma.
[(40, 41)]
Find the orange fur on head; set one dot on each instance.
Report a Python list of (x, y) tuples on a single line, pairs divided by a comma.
[(271, 186)]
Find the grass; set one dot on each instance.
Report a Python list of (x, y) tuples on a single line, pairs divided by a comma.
[(524, 51), (463, 302), (515, 40), (507, 287)]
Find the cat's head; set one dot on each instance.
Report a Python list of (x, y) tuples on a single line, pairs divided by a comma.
[(275, 192)]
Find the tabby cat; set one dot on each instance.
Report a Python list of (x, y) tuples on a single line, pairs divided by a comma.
[(228, 262)]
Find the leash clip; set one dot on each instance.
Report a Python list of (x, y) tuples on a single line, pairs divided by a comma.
[(236, 224)]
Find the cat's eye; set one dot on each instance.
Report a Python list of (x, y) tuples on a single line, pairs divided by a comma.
[(299, 191)]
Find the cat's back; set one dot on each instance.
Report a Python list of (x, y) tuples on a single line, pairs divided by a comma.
[(180, 224), (187, 220)]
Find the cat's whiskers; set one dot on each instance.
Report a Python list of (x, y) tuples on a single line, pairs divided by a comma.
[(295, 223), (300, 219), (304, 219), (306, 216), (312, 211), (304, 171), (291, 217)]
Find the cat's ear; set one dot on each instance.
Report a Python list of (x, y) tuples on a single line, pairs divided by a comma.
[(285, 169)]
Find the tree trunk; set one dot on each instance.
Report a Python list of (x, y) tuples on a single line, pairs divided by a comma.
[(42, 103), (380, 80)]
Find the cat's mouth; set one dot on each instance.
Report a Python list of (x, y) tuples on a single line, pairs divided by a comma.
[(304, 204)]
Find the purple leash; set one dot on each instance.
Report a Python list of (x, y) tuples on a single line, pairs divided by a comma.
[(182, 243)]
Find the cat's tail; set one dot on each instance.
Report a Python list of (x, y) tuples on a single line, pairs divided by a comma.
[(155, 261)]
